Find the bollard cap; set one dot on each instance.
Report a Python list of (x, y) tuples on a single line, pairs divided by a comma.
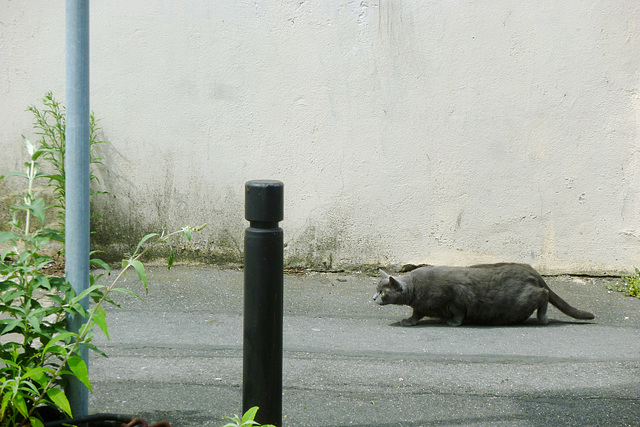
[(264, 200)]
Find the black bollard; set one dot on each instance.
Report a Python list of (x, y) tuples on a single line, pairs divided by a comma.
[(263, 294)]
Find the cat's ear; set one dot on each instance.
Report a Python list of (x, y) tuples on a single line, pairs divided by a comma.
[(383, 274), (395, 283)]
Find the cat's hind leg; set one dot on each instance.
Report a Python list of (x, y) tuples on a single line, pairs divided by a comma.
[(458, 315), (413, 320), (542, 307)]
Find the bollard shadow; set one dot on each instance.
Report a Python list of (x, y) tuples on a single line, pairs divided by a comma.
[(529, 323)]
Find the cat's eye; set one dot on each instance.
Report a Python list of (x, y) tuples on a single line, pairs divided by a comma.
[(382, 293)]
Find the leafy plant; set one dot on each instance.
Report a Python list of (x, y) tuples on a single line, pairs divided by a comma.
[(37, 352), (630, 285), (246, 420), (27, 302), (50, 125)]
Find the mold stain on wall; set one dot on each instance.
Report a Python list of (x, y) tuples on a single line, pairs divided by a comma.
[(331, 242)]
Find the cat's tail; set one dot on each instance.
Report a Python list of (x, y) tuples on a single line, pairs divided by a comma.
[(564, 306)]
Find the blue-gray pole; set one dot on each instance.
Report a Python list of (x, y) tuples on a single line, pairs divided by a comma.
[(77, 174), (263, 298)]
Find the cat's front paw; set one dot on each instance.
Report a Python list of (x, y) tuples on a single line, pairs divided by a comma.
[(408, 322)]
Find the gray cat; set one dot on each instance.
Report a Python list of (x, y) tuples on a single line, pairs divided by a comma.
[(490, 294)]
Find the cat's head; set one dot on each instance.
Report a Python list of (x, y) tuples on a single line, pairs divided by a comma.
[(390, 290)]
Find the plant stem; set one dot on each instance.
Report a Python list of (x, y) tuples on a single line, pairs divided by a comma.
[(31, 175)]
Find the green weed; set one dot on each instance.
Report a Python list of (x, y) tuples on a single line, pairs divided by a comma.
[(37, 351), (246, 420), (49, 123), (630, 285)]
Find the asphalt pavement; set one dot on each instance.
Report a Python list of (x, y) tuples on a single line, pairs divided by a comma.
[(177, 357)]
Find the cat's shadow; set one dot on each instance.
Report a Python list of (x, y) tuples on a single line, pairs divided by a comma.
[(529, 323)]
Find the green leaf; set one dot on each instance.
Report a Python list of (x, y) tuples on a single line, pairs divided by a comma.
[(6, 285), (5, 236), (79, 369), (37, 154), (40, 280), (20, 405), (94, 348), (34, 322), (38, 209), (76, 309), (128, 292), (235, 423), (172, 256), (144, 239), (11, 295), (86, 292), (142, 275), (7, 252), (57, 338), (3, 407), (100, 263), (59, 283), (38, 374), (42, 174), (14, 173), (10, 326), (59, 399), (249, 415), (100, 318), (59, 350), (10, 291), (30, 148), (51, 234), (35, 422)]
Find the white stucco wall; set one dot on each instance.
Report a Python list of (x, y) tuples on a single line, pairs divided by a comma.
[(405, 131)]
